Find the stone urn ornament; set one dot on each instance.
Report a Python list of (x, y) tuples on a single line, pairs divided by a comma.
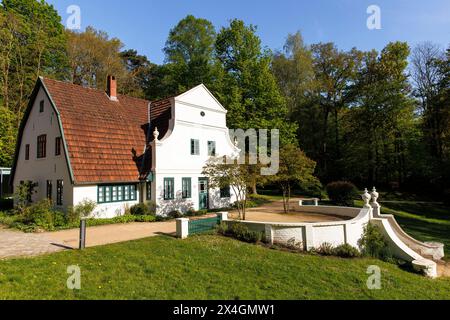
[(366, 198), (375, 196), (156, 134)]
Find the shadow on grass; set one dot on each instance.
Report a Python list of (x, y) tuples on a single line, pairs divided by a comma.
[(424, 209)]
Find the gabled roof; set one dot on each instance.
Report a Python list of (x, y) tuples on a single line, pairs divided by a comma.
[(201, 95), (105, 140)]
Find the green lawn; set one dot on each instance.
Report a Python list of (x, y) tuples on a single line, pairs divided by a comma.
[(207, 267), (425, 221)]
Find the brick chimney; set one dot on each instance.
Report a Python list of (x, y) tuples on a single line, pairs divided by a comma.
[(111, 88)]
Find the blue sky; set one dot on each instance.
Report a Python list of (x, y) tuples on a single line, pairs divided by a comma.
[(144, 25)]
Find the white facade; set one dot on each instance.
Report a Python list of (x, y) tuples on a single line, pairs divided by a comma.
[(196, 114), (103, 210), (51, 168)]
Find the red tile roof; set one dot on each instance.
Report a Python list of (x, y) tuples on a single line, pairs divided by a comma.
[(106, 139)]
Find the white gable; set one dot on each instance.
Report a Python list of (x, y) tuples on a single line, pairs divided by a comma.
[(202, 97)]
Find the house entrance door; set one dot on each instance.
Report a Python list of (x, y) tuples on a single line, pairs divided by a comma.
[(203, 193)]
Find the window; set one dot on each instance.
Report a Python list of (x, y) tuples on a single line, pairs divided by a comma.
[(57, 146), (41, 146), (59, 192), (41, 106), (186, 188), (49, 189), (27, 152), (195, 147), (225, 192), (168, 188), (116, 193), (149, 190), (211, 148), (30, 190)]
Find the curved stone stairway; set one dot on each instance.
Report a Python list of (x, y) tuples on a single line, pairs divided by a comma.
[(424, 256)]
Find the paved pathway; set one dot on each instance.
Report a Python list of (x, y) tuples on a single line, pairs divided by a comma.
[(113, 233), (19, 244)]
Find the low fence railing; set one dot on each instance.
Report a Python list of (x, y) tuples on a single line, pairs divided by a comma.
[(186, 227), (203, 225)]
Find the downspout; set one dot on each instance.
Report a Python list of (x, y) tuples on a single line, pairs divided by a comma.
[(147, 142)]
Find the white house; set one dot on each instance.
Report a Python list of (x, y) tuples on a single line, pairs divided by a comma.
[(78, 143)]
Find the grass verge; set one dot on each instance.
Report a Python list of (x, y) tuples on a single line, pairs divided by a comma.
[(207, 267)]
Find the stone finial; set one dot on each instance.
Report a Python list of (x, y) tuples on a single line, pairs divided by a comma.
[(366, 198), (156, 133), (374, 195)]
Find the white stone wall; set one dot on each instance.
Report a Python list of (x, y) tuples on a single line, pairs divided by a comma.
[(313, 235), (289, 235), (49, 168)]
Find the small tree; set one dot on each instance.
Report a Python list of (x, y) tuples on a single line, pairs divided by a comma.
[(236, 176), (23, 195), (295, 169)]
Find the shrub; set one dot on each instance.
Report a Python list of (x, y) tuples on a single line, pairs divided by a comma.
[(140, 209), (85, 208), (241, 232), (325, 249), (148, 218), (342, 193), (42, 215), (194, 213), (346, 251), (222, 228), (144, 209), (151, 207), (373, 243), (175, 214), (72, 216)]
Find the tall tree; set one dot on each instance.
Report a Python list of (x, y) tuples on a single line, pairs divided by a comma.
[(140, 73), (250, 91), (92, 56), (428, 76), (293, 69), (381, 117), (189, 49), (334, 75), (33, 44)]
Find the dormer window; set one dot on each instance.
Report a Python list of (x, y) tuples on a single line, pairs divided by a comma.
[(41, 106)]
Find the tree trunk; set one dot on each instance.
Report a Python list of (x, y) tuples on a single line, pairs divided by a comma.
[(254, 190)]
